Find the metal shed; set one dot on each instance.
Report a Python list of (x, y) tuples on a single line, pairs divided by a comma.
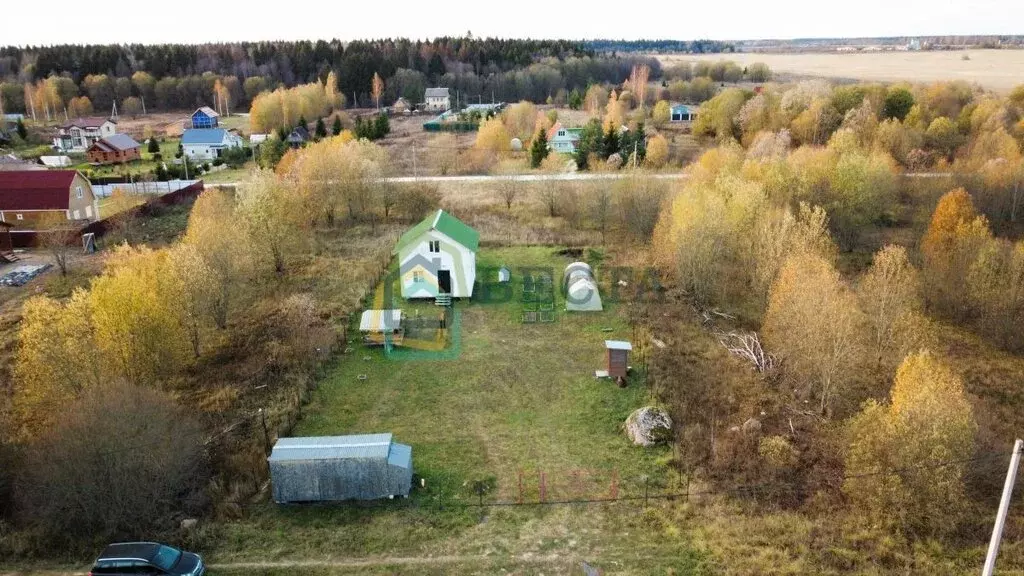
[(581, 292), (330, 468)]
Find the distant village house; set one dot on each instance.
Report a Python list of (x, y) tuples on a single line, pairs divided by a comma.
[(683, 113), (115, 149), (437, 99), (562, 139), (202, 144), (79, 134), (28, 197), (205, 117)]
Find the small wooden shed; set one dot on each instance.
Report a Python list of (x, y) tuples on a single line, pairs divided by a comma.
[(618, 357)]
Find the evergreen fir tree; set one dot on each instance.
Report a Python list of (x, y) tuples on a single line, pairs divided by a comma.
[(154, 146), (22, 131), (321, 129), (336, 127), (539, 149), (611, 141)]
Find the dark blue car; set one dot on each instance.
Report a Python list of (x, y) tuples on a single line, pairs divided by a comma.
[(150, 558)]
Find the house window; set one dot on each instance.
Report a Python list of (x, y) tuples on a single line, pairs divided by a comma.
[(78, 215), (78, 192), (88, 211), (435, 246), (417, 277), (19, 217), (561, 132)]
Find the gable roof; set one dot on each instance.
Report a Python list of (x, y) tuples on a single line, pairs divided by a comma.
[(446, 224), (35, 189), (436, 93), (210, 112), (298, 133), (204, 136), (331, 447), (572, 133), (117, 142), (88, 122)]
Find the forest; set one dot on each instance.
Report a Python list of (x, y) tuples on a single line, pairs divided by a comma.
[(165, 77)]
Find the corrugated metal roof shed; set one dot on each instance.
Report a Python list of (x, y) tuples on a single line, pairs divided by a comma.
[(331, 447), (331, 468), (436, 93)]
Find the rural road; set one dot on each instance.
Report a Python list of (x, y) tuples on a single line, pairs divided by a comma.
[(348, 563), (570, 176)]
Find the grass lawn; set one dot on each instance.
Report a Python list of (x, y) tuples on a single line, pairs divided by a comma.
[(505, 398)]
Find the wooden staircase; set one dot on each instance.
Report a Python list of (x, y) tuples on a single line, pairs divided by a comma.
[(443, 299)]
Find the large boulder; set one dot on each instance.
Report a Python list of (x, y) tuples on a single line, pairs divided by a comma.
[(648, 426), (615, 161)]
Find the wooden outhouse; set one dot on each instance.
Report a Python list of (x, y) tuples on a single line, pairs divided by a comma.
[(618, 357)]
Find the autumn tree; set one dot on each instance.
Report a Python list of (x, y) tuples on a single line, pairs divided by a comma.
[(657, 151), (197, 291), (80, 106), (132, 106), (57, 359), (269, 215), (890, 297), (509, 189), (58, 236), (224, 249), (520, 120), (814, 324), (638, 78), (661, 114), (595, 99), (996, 288), (137, 316), (942, 136), (906, 460), (718, 116), (377, 89), (122, 460), (954, 237)]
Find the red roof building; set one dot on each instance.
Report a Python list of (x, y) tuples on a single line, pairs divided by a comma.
[(28, 197)]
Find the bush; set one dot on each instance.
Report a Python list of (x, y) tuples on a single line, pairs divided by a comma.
[(218, 162), (123, 461)]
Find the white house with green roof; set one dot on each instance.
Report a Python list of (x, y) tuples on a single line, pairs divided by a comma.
[(438, 257)]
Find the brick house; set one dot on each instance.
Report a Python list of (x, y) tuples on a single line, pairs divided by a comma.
[(115, 149), (28, 197)]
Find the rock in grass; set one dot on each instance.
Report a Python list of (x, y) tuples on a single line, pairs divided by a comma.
[(648, 426)]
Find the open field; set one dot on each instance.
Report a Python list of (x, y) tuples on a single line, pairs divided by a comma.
[(504, 399), (998, 70)]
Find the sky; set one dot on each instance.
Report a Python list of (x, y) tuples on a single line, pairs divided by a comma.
[(141, 21)]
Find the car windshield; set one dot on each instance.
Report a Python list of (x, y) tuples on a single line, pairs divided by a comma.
[(166, 557)]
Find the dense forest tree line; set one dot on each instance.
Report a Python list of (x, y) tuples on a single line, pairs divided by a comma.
[(686, 46), (172, 76)]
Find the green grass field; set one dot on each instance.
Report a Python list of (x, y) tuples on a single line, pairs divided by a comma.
[(504, 399)]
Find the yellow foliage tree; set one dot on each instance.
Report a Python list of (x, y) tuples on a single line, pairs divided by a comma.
[(906, 461), (225, 249), (520, 120), (661, 114), (270, 215), (890, 297), (57, 359), (657, 151), (954, 210), (813, 322), (136, 314)]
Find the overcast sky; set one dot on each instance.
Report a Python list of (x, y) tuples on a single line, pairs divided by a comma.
[(70, 21)]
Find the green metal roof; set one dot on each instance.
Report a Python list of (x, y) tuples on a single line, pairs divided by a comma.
[(446, 224)]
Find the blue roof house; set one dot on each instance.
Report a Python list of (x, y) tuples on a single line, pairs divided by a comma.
[(683, 113), (205, 117), (333, 468), (201, 144)]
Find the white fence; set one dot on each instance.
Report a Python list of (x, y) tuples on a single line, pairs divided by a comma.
[(156, 188)]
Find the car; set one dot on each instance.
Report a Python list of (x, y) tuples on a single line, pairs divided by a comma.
[(150, 558)]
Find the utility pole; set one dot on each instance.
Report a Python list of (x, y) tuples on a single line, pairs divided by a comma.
[(1004, 506)]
